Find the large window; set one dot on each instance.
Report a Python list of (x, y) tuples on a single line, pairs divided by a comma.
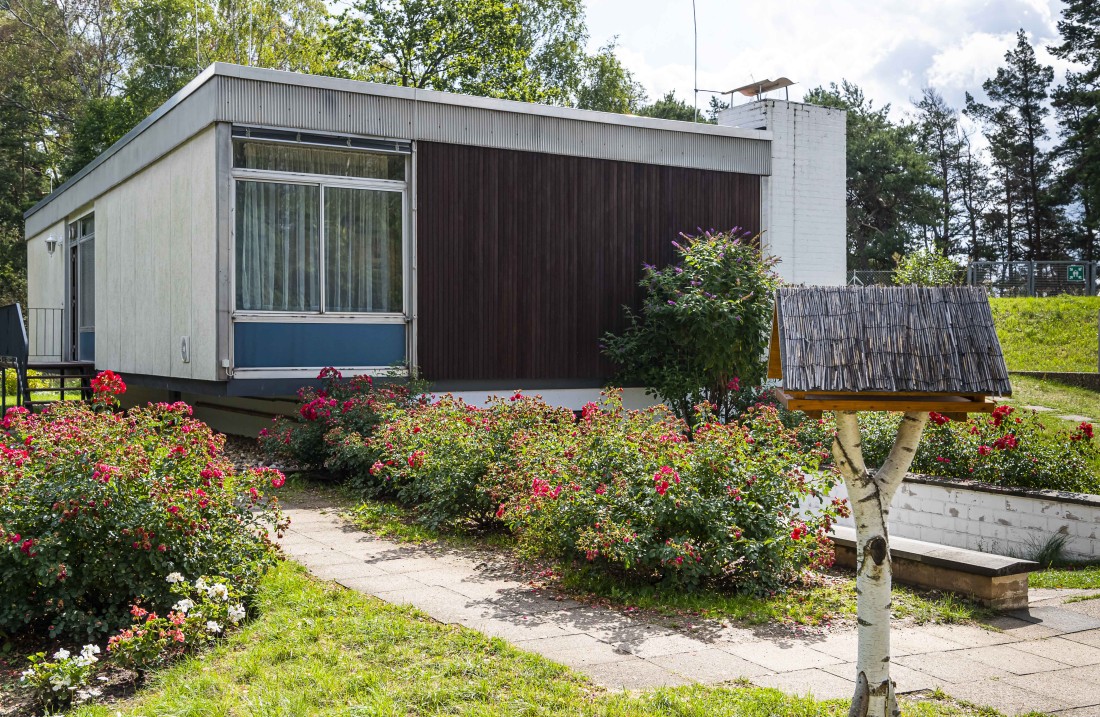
[(82, 288), (318, 229)]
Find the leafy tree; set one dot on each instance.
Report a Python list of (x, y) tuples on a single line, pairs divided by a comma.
[(888, 178), (704, 325), (925, 267), (1015, 121), (607, 85), (1077, 104), (671, 107)]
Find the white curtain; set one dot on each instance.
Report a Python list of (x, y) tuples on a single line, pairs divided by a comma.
[(278, 247), (363, 250)]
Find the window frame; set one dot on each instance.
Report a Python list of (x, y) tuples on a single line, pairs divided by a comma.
[(75, 239), (321, 181)]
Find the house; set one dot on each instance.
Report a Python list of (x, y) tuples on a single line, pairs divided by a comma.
[(263, 224)]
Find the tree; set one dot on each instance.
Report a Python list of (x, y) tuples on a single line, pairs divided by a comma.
[(607, 85), (673, 108), (870, 494), (478, 47), (888, 178), (1077, 104), (940, 139), (703, 327), (1014, 119), (925, 267)]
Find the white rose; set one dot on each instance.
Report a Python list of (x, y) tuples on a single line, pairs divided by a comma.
[(184, 605), (236, 613), (61, 654), (214, 627), (218, 590), (174, 578)]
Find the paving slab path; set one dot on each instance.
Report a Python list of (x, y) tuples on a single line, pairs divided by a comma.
[(1045, 659)]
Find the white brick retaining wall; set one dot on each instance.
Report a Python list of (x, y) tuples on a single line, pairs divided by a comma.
[(1007, 521)]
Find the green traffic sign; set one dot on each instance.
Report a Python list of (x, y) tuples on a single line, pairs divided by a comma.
[(1075, 272)]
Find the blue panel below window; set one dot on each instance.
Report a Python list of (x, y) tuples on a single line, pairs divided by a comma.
[(305, 345), (86, 346)]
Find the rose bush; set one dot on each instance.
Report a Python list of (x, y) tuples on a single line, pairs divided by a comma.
[(341, 411), (1009, 447), (629, 490), (626, 490), (449, 457), (97, 507)]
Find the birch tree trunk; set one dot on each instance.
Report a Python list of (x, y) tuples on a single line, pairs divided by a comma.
[(870, 495)]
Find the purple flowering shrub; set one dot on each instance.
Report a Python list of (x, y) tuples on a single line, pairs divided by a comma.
[(703, 327)]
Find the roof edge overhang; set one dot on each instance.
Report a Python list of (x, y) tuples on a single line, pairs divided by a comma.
[(338, 84)]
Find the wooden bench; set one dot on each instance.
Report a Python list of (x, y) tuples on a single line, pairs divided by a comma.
[(994, 580)]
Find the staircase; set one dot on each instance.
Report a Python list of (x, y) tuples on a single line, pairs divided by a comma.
[(36, 381)]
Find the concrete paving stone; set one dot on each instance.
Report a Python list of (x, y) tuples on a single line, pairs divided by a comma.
[(1058, 618), (634, 674), (1062, 650), (659, 645), (950, 667), (1014, 628), (463, 583), (905, 679), (384, 583), (917, 641), (841, 645), (1089, 608), (1010, 659), (1076, 417), (1039, 409), (405, 565), (578, 651), (789, 656), (330, 557), (442, 604), (709, 665), (970, 635), (346, 571), (1088, 637), (1093, 711), (516, 628), (999, 695), (301, 547), (533, 602), (818, 683), (1061, 686)]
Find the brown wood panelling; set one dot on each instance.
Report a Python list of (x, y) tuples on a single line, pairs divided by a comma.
[(524, 260)]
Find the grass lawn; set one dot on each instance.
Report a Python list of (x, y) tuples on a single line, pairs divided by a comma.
[(1072, 577), (832, 600), (1048, 334), (1029, 391), (321, 649)]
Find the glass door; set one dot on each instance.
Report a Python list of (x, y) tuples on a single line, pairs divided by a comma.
[(82, 289)]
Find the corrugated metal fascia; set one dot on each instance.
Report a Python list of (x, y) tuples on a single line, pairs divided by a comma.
[(272, 104), (156, 139)]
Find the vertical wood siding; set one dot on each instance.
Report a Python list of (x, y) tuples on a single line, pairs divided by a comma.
[(524, 260)]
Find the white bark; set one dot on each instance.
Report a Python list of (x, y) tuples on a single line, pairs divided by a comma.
[(870, 495)]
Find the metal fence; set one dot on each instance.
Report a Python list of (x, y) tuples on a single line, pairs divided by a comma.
[(1013, 278)]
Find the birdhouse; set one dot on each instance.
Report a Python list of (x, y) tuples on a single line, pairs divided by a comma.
[(879, 348)]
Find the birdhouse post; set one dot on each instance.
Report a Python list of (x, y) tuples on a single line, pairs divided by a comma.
[(912, 350)]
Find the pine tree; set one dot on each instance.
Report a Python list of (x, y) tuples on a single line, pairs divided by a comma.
[(1014, 120), (940, 138), (1077, 104)]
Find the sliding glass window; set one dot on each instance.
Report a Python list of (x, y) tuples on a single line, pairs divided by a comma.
[(312, 242)]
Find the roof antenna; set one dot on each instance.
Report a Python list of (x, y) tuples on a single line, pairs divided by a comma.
[(695, 26)]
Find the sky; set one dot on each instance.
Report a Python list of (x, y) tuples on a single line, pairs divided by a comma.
[(891, 48)]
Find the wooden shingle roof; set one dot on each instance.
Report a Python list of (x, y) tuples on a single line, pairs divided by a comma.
[(880, 340)]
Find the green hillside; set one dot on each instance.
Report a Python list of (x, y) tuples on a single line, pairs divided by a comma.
[(1048, 334)]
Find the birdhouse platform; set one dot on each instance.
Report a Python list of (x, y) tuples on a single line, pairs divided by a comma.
[(881, 348)]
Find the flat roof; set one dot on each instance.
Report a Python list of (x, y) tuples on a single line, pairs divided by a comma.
[(218, 108)]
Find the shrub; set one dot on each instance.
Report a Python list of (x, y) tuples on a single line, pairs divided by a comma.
[(11, 381), (338, 412), (629, 490), (449, 456), (96, 508), (927, 268), (53, 681), (703, 327), (1012, 448), (208, 609)]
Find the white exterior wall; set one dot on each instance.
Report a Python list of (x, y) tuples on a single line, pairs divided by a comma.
[(46, 290), (802, 210), (155, 266), (991, 522)]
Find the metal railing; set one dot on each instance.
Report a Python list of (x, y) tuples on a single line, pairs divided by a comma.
[(44, 332), (1036, 278), (1012, 278), (13, 354)]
